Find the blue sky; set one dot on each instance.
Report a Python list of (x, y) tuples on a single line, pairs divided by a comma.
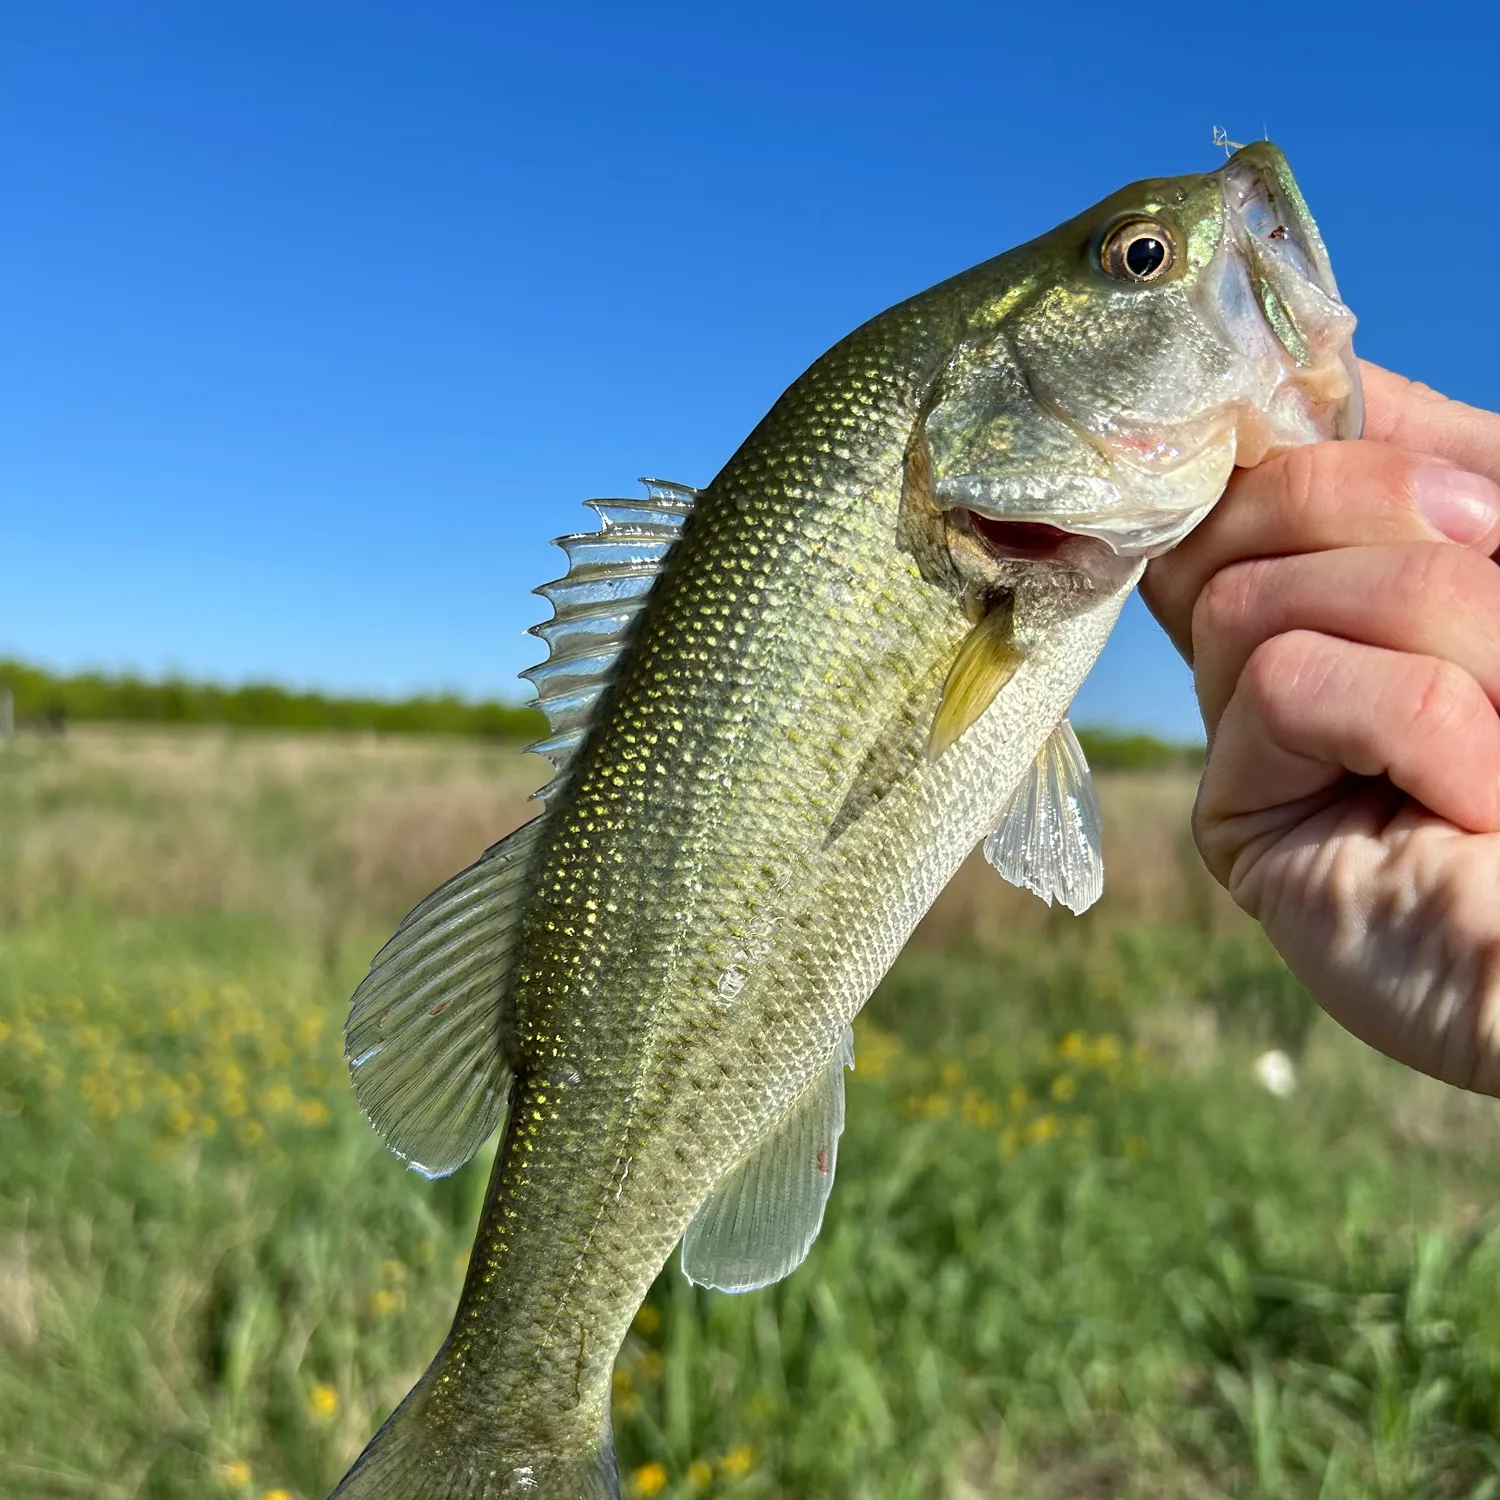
[(317, 319)]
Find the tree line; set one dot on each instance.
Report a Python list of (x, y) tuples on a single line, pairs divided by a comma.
[(53, 700)]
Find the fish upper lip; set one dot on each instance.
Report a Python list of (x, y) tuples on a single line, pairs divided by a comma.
[(1263, 208), (1270, 229)]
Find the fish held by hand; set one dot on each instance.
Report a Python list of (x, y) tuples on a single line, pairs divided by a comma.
[(782, 711)]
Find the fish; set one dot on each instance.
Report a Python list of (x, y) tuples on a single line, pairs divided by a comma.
[(782, 710)]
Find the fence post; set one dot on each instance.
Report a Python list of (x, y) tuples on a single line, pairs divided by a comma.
[(7, 712)]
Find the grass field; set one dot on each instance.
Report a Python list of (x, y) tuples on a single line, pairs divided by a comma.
[(1076, 1251)]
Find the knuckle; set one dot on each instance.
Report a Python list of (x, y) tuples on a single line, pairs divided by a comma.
[(1308, 475), (1279, 668), (1447, 701), (1407, 418), (1226, 602), (1319, 480), (1435, 578)]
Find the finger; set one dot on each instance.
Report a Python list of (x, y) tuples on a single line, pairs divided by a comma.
[(1315, 498), (1411, 415), (1311, 710), (1425, 599)]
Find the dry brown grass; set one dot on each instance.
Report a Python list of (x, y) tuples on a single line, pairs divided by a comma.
[(1152, 874), (333, 833), (317, 831)]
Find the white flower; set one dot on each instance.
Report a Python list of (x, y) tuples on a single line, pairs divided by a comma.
[(1276, 1073)]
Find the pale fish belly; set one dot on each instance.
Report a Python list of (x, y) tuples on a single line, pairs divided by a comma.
[(809, 981)]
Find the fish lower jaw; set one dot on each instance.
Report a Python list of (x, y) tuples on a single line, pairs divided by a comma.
[(1311, 404), (1101, 546)]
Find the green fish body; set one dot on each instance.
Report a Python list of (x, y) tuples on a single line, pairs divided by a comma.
[(784, 710)]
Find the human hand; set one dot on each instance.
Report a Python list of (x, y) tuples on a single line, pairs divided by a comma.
[(1341, 613)]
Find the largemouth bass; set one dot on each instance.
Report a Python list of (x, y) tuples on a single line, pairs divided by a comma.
[(783, 711)]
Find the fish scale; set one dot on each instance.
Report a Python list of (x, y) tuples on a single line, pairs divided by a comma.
[(835, 688), (689, 767)]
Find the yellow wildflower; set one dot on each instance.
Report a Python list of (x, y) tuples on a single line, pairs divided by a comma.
[(314, 1112), (323, 1402), (384, 1302), (953, 1074), (4, 1032), (649, 1479), (699, 1473), (1042, 1130), (1017, 1099), (277, 1099), (237, 1471), (251, 1133), (620, 1380), (393, 1270), (277, 1495), (1064, 1087), (977, 1110), (647, 1320), (1074, 1047), (652, 1364), (1107, 1050), (738, 1461), (179, 1120), (1010, 1142)]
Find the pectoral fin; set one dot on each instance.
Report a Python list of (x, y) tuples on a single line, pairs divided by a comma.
[(986, 661), (1048, 838), (761, 1220)]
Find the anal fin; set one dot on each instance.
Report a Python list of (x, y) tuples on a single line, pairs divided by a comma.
[(1048, 836), (428, 1034), (761, 1220)]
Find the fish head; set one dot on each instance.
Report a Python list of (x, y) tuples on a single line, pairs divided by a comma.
[(1113, 372)]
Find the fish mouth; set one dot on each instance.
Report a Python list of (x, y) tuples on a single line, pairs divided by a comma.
[(1277, 293), (1023, 541), (1065, 546), (1082, 536)]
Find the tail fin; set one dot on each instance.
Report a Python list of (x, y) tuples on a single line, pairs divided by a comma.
[(406, 1460)]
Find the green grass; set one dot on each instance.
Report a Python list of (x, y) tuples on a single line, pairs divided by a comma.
[(1075, 1250)]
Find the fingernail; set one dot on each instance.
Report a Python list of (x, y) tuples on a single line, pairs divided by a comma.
[(1463, 506)]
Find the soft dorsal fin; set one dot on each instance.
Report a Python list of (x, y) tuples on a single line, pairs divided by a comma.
[(595, 609), (1048, 837), (429, 1037), (761, 1220)]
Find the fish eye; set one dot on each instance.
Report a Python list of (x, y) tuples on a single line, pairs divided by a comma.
[(1140, 250)]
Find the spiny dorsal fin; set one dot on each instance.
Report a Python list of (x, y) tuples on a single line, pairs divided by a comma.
[(595, 610), (1048, 838), (761, 1220)]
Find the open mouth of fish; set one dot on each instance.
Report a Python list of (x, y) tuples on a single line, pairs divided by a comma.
[(1273, 294), (1023, 541)]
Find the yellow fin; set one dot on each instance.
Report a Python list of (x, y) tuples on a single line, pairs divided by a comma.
[(986, 661)]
